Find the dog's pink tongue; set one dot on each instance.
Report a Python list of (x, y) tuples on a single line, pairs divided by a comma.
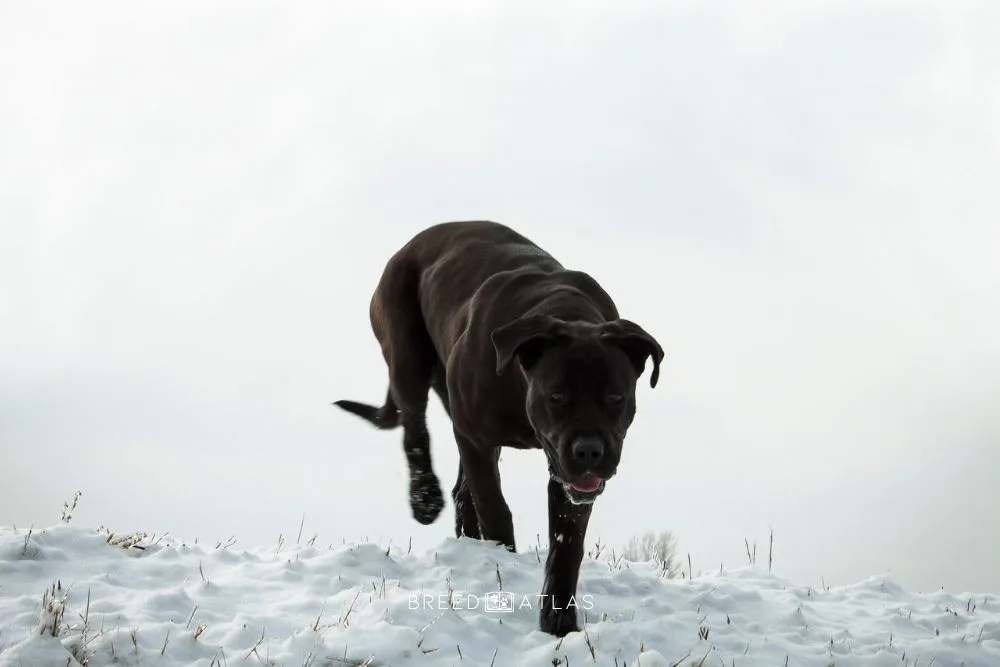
[(587, 484)]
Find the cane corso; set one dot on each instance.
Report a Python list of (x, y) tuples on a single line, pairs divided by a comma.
[(522, 353)]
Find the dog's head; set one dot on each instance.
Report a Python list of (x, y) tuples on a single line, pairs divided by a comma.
[(581, 381)]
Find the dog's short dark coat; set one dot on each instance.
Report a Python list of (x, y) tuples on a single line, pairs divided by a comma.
[(522, 353)]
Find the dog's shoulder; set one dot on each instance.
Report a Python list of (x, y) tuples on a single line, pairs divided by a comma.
[(591, 288)]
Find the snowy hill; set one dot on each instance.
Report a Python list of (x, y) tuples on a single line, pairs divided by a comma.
[(137, 600)]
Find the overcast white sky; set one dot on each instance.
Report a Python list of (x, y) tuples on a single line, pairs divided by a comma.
[(798, 199)]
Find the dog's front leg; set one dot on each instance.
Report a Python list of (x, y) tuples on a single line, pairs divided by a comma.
[(567, 531), (482, 475)]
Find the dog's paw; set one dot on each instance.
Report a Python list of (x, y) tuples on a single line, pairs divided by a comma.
[(426, 499), (558, 622)]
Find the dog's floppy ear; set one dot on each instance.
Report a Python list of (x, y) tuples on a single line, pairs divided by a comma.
[(525, 338), (637, 344)]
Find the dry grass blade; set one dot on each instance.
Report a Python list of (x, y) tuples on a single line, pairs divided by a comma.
[(770, 551), (315, 626), (345, 616), (586, 638), (683, 658), (228, 543), (53, 609), (354, 662), (68, 508), (27, 538), (253, 651)]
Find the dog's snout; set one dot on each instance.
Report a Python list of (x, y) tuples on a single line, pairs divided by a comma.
[(588, 451)]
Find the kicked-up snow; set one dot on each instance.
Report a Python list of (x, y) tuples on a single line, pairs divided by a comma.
[(120, 601)]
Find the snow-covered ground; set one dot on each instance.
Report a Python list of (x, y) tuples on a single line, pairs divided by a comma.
[(167, 602)]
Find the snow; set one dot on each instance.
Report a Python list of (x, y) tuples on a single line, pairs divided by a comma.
[(388, 604)]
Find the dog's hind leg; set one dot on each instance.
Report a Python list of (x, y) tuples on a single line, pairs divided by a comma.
[(466, 519), (410, 382), (412, 360), (426, 498)]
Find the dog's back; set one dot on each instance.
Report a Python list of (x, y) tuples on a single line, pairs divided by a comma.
[(474, 250), (446, 264)]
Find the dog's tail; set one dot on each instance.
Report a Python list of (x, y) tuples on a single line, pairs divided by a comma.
[(385, 417)]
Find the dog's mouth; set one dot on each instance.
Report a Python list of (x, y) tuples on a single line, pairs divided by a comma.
[(584, 489), (588, 483)]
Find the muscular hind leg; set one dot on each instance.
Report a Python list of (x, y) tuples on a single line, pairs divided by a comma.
[(398, 324), (411, 358), (410, 382), (466, 520)]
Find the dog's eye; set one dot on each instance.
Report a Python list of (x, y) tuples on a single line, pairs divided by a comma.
[(557, 398), (615, 399)]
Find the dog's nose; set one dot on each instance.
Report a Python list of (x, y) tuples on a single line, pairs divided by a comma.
[(588, 451)]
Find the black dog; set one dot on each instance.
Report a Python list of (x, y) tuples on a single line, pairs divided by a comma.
[(454, 308)]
